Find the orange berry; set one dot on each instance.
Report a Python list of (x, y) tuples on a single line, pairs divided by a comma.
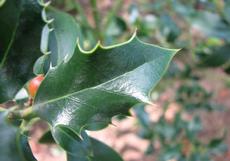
[(34, 85)]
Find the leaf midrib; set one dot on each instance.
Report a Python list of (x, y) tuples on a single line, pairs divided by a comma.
[(95, 87)]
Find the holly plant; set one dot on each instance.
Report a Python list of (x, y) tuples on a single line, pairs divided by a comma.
[(178, 134), (45, 74)]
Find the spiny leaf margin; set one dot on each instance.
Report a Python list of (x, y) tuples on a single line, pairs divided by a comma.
[(61, 109)]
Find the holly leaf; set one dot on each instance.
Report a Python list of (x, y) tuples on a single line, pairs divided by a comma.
[(91, 87), (14, 146), (100, 152), (92, 150), (21, 42), (63, 37), (59, 38)]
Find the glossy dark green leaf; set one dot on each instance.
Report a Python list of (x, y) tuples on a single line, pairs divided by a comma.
[(108, 81), (83, 148), (59, 38), (98, 150), (14, 146), (17, 67), (75, 144), (62, 37), (90, 88), (78, 147)]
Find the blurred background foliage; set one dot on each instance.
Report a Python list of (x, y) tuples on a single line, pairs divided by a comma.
[(201, 28)]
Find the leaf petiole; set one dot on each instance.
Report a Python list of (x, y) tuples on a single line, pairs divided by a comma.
[(25, 114)]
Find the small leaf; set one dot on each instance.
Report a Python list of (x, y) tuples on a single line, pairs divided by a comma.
[(14, 146)]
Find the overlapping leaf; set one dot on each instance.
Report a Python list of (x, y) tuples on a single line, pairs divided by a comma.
[(13, 145), (100, 152), (59, 38), (19, 43), (88, 149), (63, 37)]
